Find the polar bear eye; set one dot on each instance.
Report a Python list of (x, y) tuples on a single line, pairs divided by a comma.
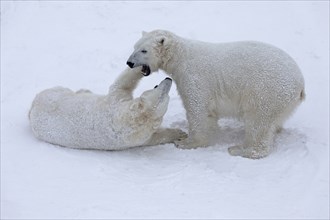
[(155, 86), (143, 51)]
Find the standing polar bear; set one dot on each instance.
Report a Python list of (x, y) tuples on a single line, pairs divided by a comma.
[(253, 81), (106, 122)]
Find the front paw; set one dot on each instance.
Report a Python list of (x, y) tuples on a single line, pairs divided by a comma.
[(251, 153), (178, 134), (189, 144)]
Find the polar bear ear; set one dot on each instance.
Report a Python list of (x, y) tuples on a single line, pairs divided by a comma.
[(161, 40)]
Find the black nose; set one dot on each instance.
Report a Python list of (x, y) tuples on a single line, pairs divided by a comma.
[(167, 78), (130, 64)]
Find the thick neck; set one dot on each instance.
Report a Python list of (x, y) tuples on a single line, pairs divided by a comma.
[(172, 56)]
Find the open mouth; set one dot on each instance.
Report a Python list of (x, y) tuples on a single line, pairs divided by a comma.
[(145, 70)]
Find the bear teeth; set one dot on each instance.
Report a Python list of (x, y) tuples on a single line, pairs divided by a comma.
[(145, 70)]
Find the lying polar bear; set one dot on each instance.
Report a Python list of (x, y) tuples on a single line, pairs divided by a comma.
[(113, 122), (253, 81)]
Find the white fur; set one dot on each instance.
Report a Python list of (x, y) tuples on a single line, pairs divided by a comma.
[(253, 81), (112, 122)]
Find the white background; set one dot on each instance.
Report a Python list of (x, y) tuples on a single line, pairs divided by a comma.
[(85, 44)]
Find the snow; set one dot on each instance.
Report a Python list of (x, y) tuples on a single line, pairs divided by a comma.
[(85, 44)]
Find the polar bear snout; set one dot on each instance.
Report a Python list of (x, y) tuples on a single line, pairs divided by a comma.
[(163, 98), (145, 68), (130, 64), (133, 62), (165, 86)]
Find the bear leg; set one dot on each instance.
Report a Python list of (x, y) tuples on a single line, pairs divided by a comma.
[(258, 143), (199, 136)]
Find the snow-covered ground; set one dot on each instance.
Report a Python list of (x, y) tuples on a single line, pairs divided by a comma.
[(85, 44)]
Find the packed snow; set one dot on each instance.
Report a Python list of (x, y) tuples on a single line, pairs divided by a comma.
[(85, 44)]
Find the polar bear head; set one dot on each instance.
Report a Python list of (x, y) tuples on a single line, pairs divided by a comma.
[(150, 51), (151, 106)]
